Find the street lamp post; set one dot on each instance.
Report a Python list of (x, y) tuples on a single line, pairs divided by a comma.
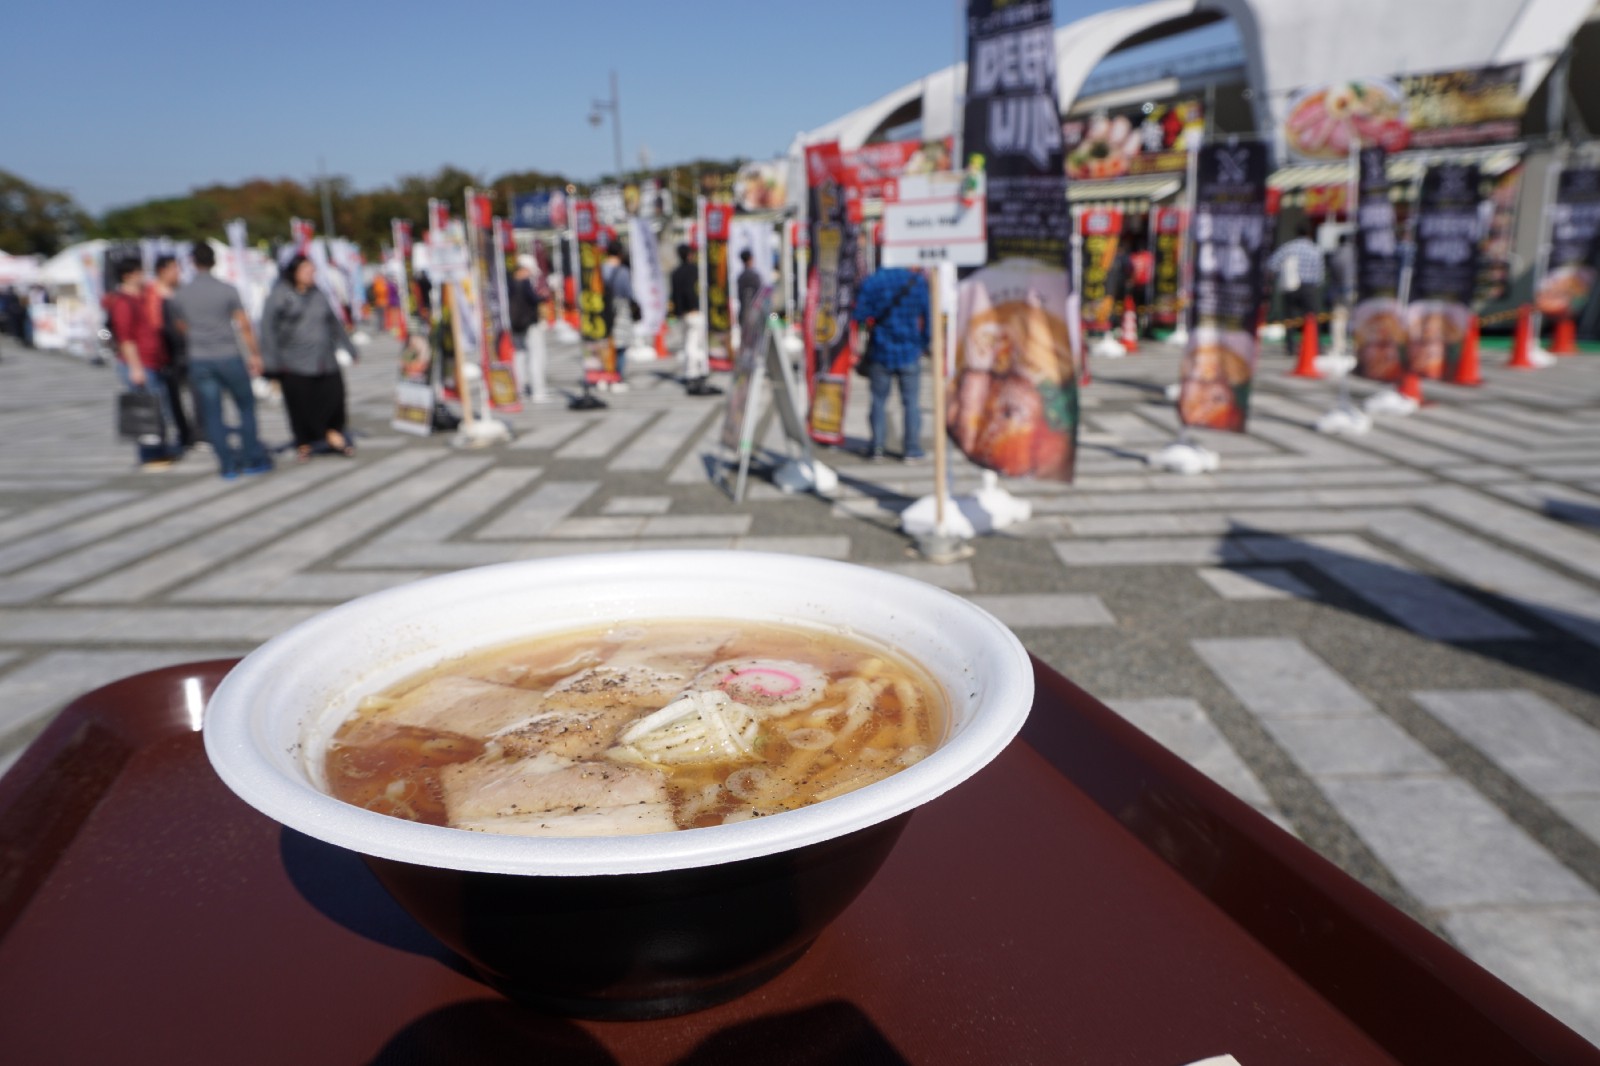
[(613, 105)]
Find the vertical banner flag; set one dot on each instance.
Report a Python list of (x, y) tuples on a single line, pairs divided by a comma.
[(494, 348), (1167, 227), (1569, 281), (448, 267), (1102, 237), (401, 232), (1014, 407), (719, 312), (300, 234), (1230, 230), (504, 392), (599, 352), (243, 277), (830, 290), (649, 286), (1439, 310), (1377, 324)]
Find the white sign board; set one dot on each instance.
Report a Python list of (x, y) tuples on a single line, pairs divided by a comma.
[(926, 223)]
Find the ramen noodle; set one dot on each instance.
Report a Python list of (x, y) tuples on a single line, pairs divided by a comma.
[(647, 728)]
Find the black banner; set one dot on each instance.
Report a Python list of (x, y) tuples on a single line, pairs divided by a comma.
[(1230, 229), (1012, 121), (1230, 237), (1447, 234), (1446, 274), (1168, 240), (1569, 281), (1377, 325), (1377, 254)]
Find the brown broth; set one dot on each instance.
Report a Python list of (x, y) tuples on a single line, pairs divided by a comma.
[(394, 768)]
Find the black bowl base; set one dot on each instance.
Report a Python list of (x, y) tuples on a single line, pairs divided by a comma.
[(601, 1009)]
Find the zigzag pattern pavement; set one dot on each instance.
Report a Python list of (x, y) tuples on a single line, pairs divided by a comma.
[(1390, 645)]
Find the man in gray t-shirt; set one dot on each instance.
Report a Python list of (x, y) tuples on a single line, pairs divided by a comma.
[(215, 323)]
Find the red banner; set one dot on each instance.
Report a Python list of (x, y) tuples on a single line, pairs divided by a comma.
[(830, 290), (1102, 236)]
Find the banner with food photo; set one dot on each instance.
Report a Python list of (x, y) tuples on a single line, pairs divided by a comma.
[(1102, 236), (1439, 311), (1167, 225), (830, 290), (719, 282), (1377, 323), (501, 363), (400, 231), (1014, 407), (488, 268), (594, 325), (762, 185), (1569, 281), (1229, 233), (1446, 109), (876, 164), (1145, 139)]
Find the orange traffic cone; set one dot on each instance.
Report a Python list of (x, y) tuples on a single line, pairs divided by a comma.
[(1130, 326), (1467, 366), (661, 342), (1565, 341), (1522, 341), (1307, 365), (1411, 386)]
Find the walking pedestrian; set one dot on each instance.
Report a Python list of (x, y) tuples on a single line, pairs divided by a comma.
[(216, 324), (748, 283), (893, 305), (527, 330), (1297, 266), (618, 281), (141, 357), (683, 300), (301, 334), (160, 308)]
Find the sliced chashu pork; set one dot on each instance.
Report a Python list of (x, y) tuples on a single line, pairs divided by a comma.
[(549, 796), (464, 705)]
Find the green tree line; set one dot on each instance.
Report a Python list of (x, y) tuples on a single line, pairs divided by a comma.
[(39, 221)]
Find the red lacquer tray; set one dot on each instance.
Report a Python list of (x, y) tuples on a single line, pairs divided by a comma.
[(1086, 899)]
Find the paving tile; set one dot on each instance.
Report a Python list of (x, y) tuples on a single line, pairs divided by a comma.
[(39, 688), (1549, 954), (1256, 583), (654, 448), (637, 505), (1343, 747), (1279, 677), (1549, 752), (1182, 727), (957, 577), (1188, 551), (1449, 846), (604, 437), (540, 511), (1043, 610), (710, 525)]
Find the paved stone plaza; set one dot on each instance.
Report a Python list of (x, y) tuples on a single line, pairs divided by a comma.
[(1388, 645)]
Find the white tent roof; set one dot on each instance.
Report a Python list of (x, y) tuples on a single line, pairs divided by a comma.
[(66, 266), (1080, 46), (18, 270), (1289, 44)]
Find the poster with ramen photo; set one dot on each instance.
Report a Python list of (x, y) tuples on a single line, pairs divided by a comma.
[(1569, 283), (1446, 275), (1217, 369), (1377, 324), (1230, 226), (1014, 405)]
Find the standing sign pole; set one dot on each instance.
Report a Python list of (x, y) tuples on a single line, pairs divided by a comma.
[(1180, 336), (941, 462), (1552, 177), (463, 386), (1346, 418), (704, 246)]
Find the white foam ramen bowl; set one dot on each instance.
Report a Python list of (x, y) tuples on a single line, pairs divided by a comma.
[(268, 724)]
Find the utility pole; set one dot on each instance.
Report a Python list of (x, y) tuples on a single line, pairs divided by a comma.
[(613, 105), (327, 202)]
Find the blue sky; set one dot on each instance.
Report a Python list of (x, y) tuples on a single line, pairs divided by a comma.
[(139, 100)]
